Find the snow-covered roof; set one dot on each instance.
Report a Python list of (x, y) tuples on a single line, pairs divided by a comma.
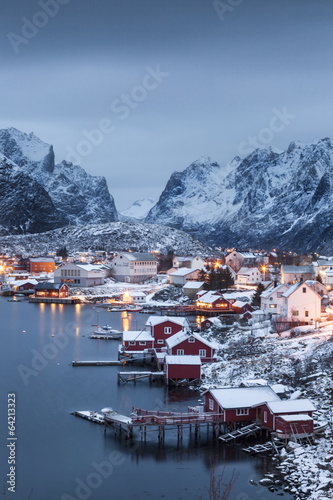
[(139, 256), (41, 259), (210, 297), (247, 271), (89, 267), (157, 320), (137, 294), (308, 269), (193, 285), (248, 255), (297, 285), (179, 337), (267, 293), (239, 304), (243, 397), (138, 336), (182, 360), (23, 282), (183, 271), (279, 388), (291, 405), (295, 418)]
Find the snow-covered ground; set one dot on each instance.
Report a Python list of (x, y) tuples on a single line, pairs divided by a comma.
[(304, 363)]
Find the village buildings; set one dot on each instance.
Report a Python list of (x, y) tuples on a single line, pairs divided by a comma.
[(292, 274), (79, 274), (38, 265), (134, 267), (182, 276)]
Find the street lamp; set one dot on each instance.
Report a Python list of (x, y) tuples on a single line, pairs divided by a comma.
[(264, 269)]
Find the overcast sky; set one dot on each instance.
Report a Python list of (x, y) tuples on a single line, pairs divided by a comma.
[(178, 79)]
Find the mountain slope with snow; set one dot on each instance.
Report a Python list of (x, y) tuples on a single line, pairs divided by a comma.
[(114, 236), (81, 198), (138, 210), (267, 199)]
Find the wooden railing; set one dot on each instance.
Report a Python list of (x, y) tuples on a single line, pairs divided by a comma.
[(167, 417)]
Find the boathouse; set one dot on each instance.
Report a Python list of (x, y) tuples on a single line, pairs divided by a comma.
[(281, 415), (192, 344), (182, 367), (51, 290), (163, 327), (137, 341), (239, 404)]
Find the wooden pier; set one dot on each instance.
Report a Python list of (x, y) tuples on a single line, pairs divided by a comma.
[(160, 421), (51, 300), (105, 336), (241, 432), (97, 363), (134, 376)]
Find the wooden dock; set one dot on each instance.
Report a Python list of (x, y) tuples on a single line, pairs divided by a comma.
[(270, 447), (134, 376), (50, 300), (239, 433), (97, 363)]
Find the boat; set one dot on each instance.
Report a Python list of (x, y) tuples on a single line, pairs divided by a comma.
[(132, 308), (116, 309)]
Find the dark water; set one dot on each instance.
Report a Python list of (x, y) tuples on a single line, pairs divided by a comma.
[(63, 457)]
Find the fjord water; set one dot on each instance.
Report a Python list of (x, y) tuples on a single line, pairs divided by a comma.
[(57, 452)]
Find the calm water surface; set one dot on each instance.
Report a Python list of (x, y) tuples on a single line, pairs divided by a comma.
[(59, 456)]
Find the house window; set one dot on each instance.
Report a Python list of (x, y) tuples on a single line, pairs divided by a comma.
[(304, 289), (142, 343), (132, 343), (265, 417), (295, 313), (272, 305), (202, 353), (306, 314), (191, 340), (180, 352), (242, 411), (211, 404), (167, 329), (160, 341)]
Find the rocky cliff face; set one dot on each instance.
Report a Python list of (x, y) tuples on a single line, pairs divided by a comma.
[(25, 206), (268, 199), (80, 198)]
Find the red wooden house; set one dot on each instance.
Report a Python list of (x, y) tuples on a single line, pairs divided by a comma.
[(137, 341), (209, 322), (182, 367), (163, 327), (52, 290), (288, 416), (239, 404), (213, 301), (186, 343), (241, 307), (24, 286)]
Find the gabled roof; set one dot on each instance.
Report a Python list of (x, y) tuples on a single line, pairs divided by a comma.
[(297, 285), (182, 360), (193, 285), (308, 269), (138, 256), (179, 337), (137, 336), (246, 271), (183, 271), (210, 297), (243, 397), (157, 320), (49, 286), (290, 405), (270, 291)]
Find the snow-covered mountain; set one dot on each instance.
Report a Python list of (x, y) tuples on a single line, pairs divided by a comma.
[(138, 210), (24, 203), (114, 236), (80, 198), (268, 199)]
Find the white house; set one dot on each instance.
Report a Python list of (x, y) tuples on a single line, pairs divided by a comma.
[(182, 276), (272, 299), (190, 261), (292, 274), (237, 260), (134, 267), (301, 303), (248, 276), (79, 274)]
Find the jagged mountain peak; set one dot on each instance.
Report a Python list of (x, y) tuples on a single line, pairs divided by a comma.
[(269, 198)]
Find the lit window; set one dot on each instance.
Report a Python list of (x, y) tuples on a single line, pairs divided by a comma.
[(295, 313)]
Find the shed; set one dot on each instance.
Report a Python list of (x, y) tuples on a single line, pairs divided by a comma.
[(182, 367)]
